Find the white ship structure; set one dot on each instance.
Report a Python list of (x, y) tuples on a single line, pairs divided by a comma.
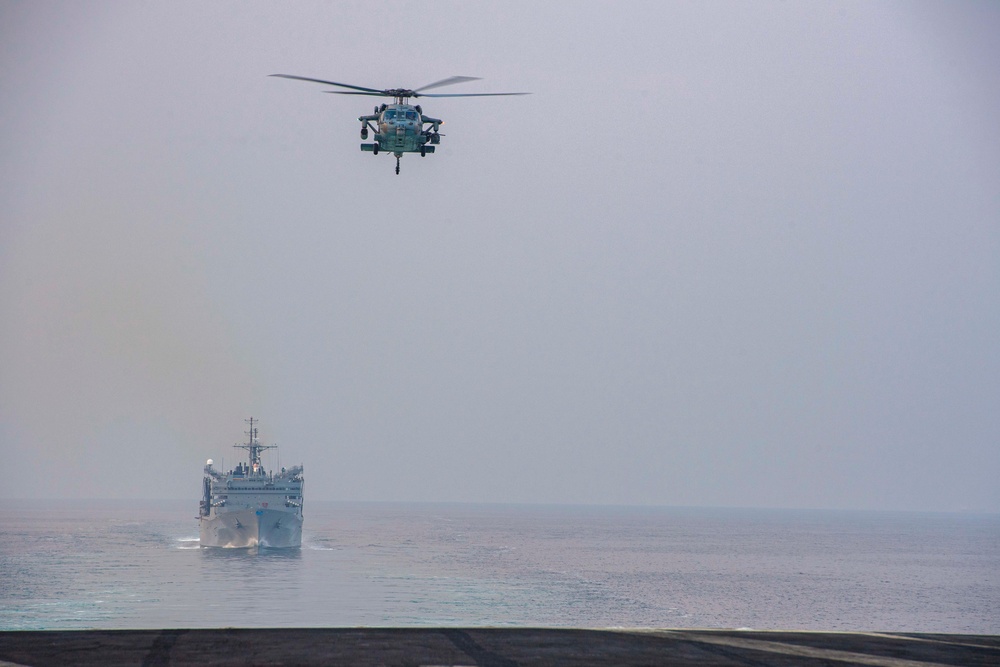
[(250, 507)]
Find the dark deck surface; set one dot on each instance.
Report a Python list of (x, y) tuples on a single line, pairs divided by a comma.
[(490, 647)]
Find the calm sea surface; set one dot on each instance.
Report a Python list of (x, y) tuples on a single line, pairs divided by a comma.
[(139, 565)]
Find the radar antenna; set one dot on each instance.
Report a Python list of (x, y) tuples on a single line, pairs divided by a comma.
[(255, 448)]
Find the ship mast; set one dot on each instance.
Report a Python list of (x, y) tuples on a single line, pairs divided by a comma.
[(255, 448)]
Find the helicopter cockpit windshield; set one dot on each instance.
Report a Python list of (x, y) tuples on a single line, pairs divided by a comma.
[(399, 114)]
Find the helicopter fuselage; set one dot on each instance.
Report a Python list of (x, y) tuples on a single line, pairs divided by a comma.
[(399, 128)]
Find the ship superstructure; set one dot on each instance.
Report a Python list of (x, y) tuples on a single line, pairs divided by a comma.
[(249, 506)]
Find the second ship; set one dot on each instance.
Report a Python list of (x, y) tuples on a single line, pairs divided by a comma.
[(250, 507)]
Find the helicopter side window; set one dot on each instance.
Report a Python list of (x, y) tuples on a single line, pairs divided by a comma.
[(391, 113), (411, 115)]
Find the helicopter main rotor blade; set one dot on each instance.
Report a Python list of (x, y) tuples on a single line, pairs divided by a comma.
[(329, 83), (466, 94), (351, 92), (451, 80)]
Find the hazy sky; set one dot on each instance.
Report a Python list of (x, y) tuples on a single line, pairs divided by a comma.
[(727, 253)]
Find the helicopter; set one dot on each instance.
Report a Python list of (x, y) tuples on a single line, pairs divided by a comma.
[(400, 127)]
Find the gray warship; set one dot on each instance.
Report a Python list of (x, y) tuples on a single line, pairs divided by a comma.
[(250, 507)]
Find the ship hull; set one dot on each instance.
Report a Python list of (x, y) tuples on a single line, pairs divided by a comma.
[(239, 529)]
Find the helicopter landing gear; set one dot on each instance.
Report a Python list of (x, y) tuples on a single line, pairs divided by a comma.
[(364, 132), (423, 151), (397, 165), (375, 149)]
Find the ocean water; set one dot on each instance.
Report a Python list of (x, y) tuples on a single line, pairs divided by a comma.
[(117, 564)]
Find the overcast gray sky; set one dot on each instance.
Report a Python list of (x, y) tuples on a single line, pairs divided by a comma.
[(727, 253)]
